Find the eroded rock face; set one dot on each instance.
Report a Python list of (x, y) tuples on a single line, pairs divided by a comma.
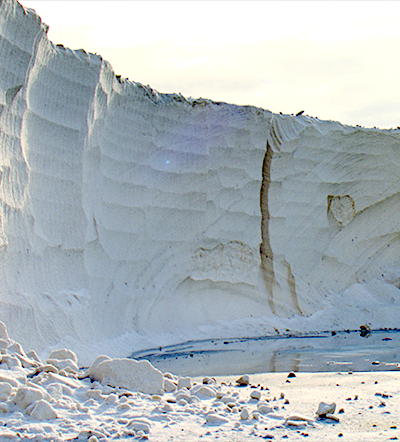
[(110, 189), (329, 202), (126, 211)]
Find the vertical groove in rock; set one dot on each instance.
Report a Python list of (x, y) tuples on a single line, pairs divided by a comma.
[(292, 287), (283, 298), (267, 269)]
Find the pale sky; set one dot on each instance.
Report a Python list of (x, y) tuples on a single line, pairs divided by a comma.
[(336, 60)]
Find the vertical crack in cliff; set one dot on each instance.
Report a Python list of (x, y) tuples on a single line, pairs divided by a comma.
[(285, 305), (267, 268), (292, 290)]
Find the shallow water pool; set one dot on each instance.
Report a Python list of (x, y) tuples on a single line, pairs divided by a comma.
[(344, 351)]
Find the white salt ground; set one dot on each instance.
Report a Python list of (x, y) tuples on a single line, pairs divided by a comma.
[(44, 402)]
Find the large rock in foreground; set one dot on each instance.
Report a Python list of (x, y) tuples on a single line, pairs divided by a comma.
[(128, 373)]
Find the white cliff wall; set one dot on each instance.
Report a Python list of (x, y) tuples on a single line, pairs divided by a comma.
[(121, 209), (132, 218)]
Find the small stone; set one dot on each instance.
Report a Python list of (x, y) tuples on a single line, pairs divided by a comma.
[(203, 392), (299, 418), (166, 408), (297, 424), (208, 381), (291, 375), (94, 394), (332, 417), (365, 327), (185, 382), (169, 386), (43, 411), (5, 391), (324, 409), (184, 397), (227, 399), (264, 409), (27, 395), (215, 419), (111, 399), (140, 425), (244, 414), (244, 380), (255, 394)]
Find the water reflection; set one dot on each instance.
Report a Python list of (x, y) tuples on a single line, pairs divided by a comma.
[(344, 351)]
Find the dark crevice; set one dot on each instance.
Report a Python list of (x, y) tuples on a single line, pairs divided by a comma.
[(267, 269), (288, 303)]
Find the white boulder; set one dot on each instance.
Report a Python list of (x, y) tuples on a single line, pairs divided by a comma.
[(5, 391), (255, 394), (169, 386), (203, 392), (63, 353), (185, 382), (244, 414), (27, 395), (324, 408), (130, 374), (215, 419), (42, 410)]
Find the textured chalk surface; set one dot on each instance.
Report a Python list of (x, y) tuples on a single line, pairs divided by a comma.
[(130, 218)]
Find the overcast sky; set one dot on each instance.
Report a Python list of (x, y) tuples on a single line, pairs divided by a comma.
[(336, 60)]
